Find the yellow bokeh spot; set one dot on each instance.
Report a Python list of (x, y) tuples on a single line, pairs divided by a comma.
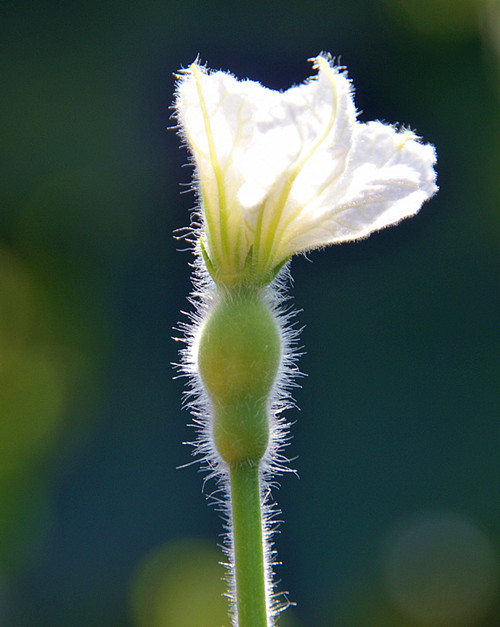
[(181, 585), (439, 19), (31, 408)]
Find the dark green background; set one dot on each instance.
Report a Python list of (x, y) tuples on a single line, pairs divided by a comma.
[(399, 412)]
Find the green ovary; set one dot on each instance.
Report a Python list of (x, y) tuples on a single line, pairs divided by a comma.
[(239, 354)]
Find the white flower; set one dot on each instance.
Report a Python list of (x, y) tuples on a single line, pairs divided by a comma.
[(284, 172)]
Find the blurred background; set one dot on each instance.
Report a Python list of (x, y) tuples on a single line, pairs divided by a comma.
[(395, 519)]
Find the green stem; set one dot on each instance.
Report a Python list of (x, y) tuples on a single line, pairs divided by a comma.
[(248, 545)]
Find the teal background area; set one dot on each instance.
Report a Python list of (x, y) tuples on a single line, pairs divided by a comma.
[(399, 413)]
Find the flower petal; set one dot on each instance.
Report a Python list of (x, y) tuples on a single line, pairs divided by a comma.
[(305, 133), (216, 114), (303, 151), (388, 177)]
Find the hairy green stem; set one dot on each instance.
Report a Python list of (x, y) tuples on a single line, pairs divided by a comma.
[(239, 354), (248, 545)]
